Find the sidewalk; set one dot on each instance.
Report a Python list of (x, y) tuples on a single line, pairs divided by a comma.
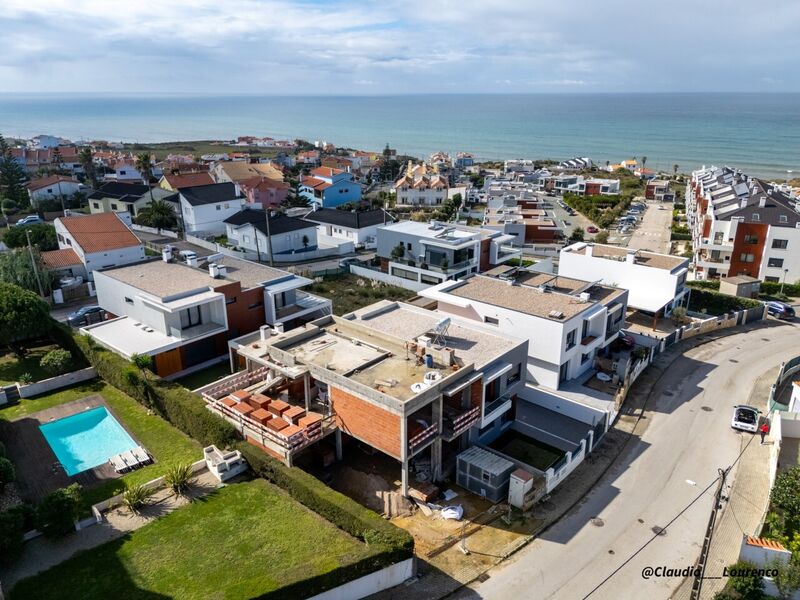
[(747, 490), (494, 542)]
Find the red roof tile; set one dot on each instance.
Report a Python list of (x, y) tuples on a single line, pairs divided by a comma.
[(188, 180), (326, 171), (764, 543), (43, 182), (100, 232), (60, 259)]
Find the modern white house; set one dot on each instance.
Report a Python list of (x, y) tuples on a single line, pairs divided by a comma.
[(124, 171), (248, 229), (359, 227), (183, 314), (97, 241), (656, 282), (205, 207), (52, 187), (418, 255)]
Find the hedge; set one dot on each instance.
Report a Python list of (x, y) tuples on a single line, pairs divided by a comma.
[(392, 543), (680, 237), (706, 284), (773, 287), (714, 303), (173, 402), (188, 412)]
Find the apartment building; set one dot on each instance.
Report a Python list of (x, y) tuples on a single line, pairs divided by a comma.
[(328, 188), (421, 185), (96, 242), (577, 163), (742, 225), (425, 254), (397, 378), (183, 314), (656, 283), (527, 225), (659, 190), (595, 187)]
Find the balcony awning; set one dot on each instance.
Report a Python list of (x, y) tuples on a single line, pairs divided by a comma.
[(183, 303), (495, 371), (461, 384), (285, 285)]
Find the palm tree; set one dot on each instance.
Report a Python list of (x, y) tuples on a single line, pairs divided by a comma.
[(145, 167), (158, 213), (58, 167), (675, 170), (87, 162)]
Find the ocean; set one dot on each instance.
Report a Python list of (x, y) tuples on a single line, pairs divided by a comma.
[(759, 133)]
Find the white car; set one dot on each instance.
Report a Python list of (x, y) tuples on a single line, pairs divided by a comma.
[(745, 418)]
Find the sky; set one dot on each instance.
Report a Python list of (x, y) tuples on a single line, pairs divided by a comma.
[(398, 47)]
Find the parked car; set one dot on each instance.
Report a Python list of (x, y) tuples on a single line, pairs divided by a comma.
[(346, 262), (187, 254), (592, 229), (745, 418), (29, 220), (781, 310), (85, 315)]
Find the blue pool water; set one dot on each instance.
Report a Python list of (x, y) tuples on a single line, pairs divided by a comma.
[(86, 440)]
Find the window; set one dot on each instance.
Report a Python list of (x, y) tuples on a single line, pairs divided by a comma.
[(191, 317), (750, 239), (128, 300), (114, 207), (783, 219), (408, 245), (585, 358), (514, 374), (748, 258), (772, 279), (571, 339), (780, 244), (219, 207), (584, 329), (227, 205), (123, 172), (230, 300), (491, 320), (96, 205), (404, 273), (756, 217), (775, 262), (429, 279)]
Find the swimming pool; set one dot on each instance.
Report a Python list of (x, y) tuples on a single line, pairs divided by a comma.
[(87, 439)]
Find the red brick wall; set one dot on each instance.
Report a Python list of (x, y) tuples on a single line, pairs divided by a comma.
[(533, 234), (650, 193), (377, 427), (384, 264), (738, 267), (476, 392)]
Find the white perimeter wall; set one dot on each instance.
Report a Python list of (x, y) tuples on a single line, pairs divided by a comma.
[(370, 584)]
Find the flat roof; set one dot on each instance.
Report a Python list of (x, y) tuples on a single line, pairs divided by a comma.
[(525, 298), (128, 337), (163, 280), (641, 257), (455, 233)]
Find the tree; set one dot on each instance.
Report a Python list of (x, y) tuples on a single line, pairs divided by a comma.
[(675, 169), (608, 163), (577, 235), (142, 362), (159, 214), (788, 578), (42, 235), (23, 315), (11, 535), (679, 315), (7, 472), (144, 165), (785, 496), (87, 162), (305, 241), (12, 177), (601, 237), (56, 361), (750, 586), (16, 267), (58, 510)]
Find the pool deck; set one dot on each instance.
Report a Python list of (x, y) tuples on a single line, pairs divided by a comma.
[(34, 459)]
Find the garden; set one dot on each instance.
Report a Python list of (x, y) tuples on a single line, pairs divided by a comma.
[(348, 295)]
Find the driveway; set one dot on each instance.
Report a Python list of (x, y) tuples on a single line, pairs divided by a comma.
[(653, 233), (686, 439)]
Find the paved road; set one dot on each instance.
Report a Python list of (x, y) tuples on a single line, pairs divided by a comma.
[(686, 440), (653, 232)]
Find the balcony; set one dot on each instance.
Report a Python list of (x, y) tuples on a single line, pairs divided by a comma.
[(454, 267), (305, 303), (496, 404), (587, 341), (422, 438), (457, 421)]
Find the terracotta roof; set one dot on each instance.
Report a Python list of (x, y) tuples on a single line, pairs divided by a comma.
[(315, 183), (326, 171), (264, 183), (60, 259), (100, 232), (38, 184), (188, 179), (764, 543)]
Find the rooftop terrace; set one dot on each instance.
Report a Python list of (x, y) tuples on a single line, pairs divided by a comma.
[(640, 257)]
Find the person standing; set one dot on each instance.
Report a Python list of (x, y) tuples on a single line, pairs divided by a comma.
[(764, 429)]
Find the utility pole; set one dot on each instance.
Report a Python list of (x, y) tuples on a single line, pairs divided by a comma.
[(269, 239), (785, 271), (33, 262), (700, 568)]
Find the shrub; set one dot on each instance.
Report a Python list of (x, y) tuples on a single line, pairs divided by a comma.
[(177, 477), (709, 284), (3, 450), (11, 531), (749, 587), (785, 496), (7, 472), (26, 378), (56, 361), (135, 497), (679, 315), (715, 303), (56, 513)]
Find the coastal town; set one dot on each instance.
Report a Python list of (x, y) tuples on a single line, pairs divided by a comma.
[(290, 369)]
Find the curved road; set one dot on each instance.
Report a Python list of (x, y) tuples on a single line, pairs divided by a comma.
[(686, 439)]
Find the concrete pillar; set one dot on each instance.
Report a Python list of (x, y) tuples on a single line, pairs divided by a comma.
[(404, 478), (307, 392), (436, 447), (404, 455), (338, 436)]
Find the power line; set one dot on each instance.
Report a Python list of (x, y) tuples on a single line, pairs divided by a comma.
[(675, 518)]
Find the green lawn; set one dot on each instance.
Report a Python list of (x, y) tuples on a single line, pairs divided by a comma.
[(168, 445), (206, 376), (244, 540), (12, 368), (348, 296), (196, 148)]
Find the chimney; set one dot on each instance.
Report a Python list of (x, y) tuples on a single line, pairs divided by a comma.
[(631, 256), (589, 249), (762, 201), (166, 253), (213, 270), (191, 261), (743, 203), (222, 270)]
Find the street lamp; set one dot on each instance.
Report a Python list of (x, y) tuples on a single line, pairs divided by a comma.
[(785, 271)]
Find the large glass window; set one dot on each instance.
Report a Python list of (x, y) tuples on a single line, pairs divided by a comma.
[(191, 317), (780, 244), (571, 339)]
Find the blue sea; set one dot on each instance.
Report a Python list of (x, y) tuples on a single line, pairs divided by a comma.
[(759, 133)]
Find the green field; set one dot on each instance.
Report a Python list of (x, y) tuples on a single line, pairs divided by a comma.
[(168, 445), (242, 541), (196, 148)]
